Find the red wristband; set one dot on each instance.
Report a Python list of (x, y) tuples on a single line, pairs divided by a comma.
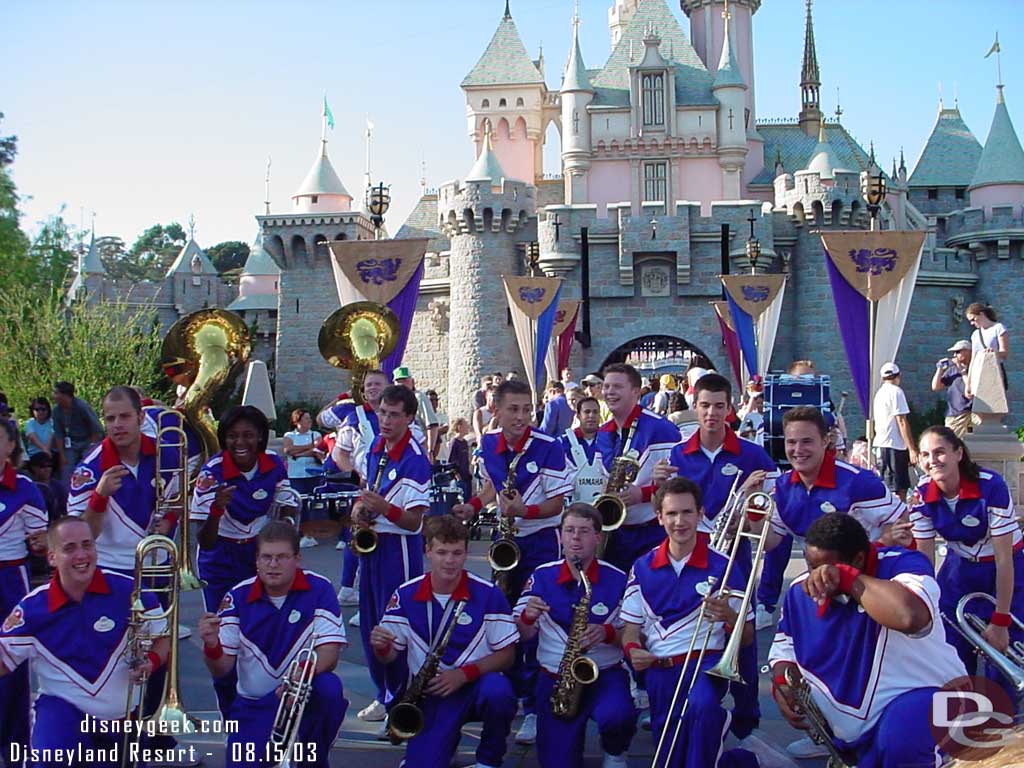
[(98, 503), (213, 653), (609, 633), (647, 492), (382, 652), (172, 518), (847, 575), (727, 628), (476, 504), (216, 511), (628, 649), (526, 619), (471, 671), (778, 681), (532, 512), (999, 619), (394, 513), (155, 660)]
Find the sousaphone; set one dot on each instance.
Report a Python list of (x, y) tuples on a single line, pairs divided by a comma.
[(357, 337)]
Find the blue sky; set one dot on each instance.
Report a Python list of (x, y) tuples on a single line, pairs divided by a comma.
[(148, 112)]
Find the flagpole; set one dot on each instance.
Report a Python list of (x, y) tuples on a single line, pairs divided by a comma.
[(323, 125), (369, 136)]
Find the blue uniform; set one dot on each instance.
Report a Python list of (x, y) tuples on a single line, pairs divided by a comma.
[(265, 634), (665, 604), (79, 656), (607, 701), (652, 437), (416, 616), (405, 483), (160, 416), (874, 685)]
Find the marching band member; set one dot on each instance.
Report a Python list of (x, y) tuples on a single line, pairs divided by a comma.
[(359, 427), (24, 517), (469, 684), (630, 429), (532, 502), (261, 625), (971, 508), (716, 459), (663, 599), (546, 610), (399, 470), (862, 628), (581, 456), (73, 630)]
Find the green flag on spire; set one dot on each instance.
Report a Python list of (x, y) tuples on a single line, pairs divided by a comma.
[(328, 114)]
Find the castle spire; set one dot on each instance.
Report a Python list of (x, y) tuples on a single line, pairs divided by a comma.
[(728, 73), (810, 81), (508, 12)]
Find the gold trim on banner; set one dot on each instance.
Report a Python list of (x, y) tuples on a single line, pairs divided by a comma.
[(722, 310), (531, 295), (753, 293), (564, 315), (873, 262), (377, 269)]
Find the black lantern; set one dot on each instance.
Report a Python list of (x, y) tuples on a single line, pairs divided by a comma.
[(874, 190), (753, 246), (378, 200)]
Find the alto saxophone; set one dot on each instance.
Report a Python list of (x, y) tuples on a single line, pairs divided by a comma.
[(364, 538), (819, 730), (611, 508), (503, 556), (406, 718), (575, 670)]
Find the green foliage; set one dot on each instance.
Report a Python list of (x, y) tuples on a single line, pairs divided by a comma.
[(228, 255), (13, 242), (94, 346), (153, 252), (53, 254)]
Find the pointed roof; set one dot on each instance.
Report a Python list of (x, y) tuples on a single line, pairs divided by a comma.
[(486, 167), (824, 160), (789, 143), (505, 61), (192, 252), (322, 179), (576, 78), (809, 74), (422, 222), (1002, 160), (260, 262), (91, 262), (950, 156), (728, 74), (693, 81)]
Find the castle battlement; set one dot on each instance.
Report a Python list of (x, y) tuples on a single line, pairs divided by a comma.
[(481, 206), (985, 234), (810, 199)]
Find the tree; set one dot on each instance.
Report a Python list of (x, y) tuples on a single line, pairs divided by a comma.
[(53, 254), (13, 242), (154, 250), (228, 255)]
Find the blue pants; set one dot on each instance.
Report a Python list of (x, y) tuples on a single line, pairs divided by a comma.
[(318, 728), (956, 578), (746, 713), (773, 573), (489, 700), (705, 723), (57, 726), (902, 737), (397, 559), (630, 542), (15, 692), (349, 560), (607, 702)]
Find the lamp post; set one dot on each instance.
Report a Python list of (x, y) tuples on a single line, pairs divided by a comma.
[(533, 258), (753, 246), (874, 190), (378, 200)]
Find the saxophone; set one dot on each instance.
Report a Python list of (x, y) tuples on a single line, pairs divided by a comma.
[(819, 730), (406, 718), (611, 508), (503, 556), (575, 670)]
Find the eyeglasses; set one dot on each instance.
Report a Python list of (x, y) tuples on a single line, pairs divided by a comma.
[(275, 559)]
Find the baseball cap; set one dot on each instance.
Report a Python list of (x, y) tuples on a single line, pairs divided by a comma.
[(592, 379), (960, 345), (890, 370), (402, 372)]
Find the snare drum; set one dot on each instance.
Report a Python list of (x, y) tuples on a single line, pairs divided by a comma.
[(330, 509), (782, 392)]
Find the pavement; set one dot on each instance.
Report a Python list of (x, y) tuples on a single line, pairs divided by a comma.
[(356, 744)]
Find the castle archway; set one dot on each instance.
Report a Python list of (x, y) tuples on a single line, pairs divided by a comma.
[(657, 355)]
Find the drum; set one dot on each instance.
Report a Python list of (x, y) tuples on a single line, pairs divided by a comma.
[(445, 489), (782, 392), (329, 510)]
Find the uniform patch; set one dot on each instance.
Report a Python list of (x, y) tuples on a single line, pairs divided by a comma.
[(15, 619), (103, 624), (259, 494), (465, 619), (703, 588), (828, 507), (730, 469), (393, 475), (532, 467), (2, 506), (970, 521), (226, 603), (600, 609), (294, 616), (205, 482), (394, 603), (82, 477)]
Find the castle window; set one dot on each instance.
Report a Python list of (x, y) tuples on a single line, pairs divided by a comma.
[(502, 103), (652, 98), (933, 194), (960, 193), (519, 101), (313, 199), (485, 104), (655, 182)]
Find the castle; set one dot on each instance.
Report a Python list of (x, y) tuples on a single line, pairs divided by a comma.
[(665, 168)]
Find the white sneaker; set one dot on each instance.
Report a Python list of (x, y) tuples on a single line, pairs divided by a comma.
[(340, 545), (184, 633), (640, 699), (767, 755), (307, 541), (354, 621), (373, 712), (614, 761), (805, 748), (527, 733), (483, 765), (347, 596), (764, 618)]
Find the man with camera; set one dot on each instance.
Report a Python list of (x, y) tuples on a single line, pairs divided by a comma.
[(950, 375)]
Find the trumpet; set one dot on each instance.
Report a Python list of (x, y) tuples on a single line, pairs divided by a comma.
[(612, 509), (819, 729), (758, 506), (972, 627), (298, 687)]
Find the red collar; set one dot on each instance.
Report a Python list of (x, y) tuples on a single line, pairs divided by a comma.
[(57, 598), (565, 574), (110, 457), (425, 591), (502, 446), (969, 489), (826, 472), (698, 557), (230, 470), (731, 444), (611, 426), (396, 450), (9, 477), (299, 584)]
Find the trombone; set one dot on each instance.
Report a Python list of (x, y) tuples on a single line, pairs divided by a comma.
[(298, 688), (759, 507), (174, 494), (971, 626)]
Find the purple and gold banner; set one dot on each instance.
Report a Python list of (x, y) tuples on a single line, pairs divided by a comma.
[(533, 302), (873, 263), (753, 293), (732, 344)]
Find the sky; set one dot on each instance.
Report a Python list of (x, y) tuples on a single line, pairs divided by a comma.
[(146, 113)]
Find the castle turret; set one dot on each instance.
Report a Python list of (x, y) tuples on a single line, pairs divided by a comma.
[(730, 90), (322, 191), (577, 93), (618, 18), (824, 161), (482, 216), (999, 178), (89, 272), (810, 82)]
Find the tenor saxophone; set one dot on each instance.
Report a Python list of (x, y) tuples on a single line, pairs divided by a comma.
[(819, 730), (575, 670), (611, 508), (503, 556)]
